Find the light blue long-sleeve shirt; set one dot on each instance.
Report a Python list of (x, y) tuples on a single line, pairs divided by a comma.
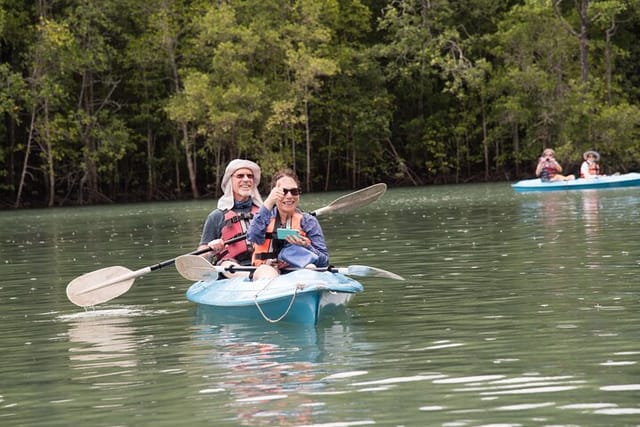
[(309, 224)]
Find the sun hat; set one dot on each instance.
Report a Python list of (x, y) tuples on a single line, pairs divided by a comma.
[(226, 201), (595, 154)]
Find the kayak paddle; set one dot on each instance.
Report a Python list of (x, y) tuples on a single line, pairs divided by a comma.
[(355, 200), (196, 268), (108, 283)]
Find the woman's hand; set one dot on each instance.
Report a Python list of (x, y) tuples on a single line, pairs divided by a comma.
[(547, 161), (555, 164), (274, 197), (299, 240)]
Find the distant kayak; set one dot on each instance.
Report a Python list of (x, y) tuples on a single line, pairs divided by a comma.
[(631, 179)]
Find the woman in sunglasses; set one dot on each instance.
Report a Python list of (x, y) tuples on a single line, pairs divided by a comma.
[(239, 202), (283, 235)]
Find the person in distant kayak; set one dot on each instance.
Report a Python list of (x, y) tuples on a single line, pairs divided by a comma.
[(283, 235), (239, 202), (590, 167), (549, 169)]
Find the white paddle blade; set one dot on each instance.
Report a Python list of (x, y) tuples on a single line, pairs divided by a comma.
[(354, 200), (195, 268), (99, 286), (366, 271)]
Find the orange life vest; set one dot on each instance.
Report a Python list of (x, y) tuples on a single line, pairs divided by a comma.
[(236, 224), (594, 169), (271, 246)]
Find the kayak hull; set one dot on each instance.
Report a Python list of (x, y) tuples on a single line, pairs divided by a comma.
[(631, 179), (302, 296)]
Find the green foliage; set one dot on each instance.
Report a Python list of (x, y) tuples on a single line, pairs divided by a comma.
[(123, 100), (13, 92), (615, 134)]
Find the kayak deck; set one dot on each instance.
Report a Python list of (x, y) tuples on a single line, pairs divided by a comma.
[(631, 179), (301, 296)]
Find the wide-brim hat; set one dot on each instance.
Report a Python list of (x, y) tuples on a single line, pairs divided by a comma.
[(595, 154), (226, 201)]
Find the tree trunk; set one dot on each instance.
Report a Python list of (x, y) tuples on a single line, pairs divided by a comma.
[(584, 41), (516, 141), (485, 145), (86, 101), (582, 36), (354, 172), (25, 163), (170, 43), (327, 174), (50, 170), (308, 141), (293, 149), (177, 164), (607, 57), (151, 178), (188, 151)]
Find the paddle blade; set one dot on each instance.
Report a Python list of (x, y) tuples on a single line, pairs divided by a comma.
[(99, 286), (367, 271), (354, 200), (194, 268)]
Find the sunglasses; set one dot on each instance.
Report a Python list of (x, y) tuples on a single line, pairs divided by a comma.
[(244, 175), (293, 191)]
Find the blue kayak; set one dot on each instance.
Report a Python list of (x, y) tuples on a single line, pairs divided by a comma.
[(301, 296), (631, 179)]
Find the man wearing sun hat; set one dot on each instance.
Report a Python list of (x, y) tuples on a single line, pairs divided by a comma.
[(239, 202), (590, 167)]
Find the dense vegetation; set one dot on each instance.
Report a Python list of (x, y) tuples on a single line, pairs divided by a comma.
[(127, 100)]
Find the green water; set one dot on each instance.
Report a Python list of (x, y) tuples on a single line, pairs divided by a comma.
[(518, 309)]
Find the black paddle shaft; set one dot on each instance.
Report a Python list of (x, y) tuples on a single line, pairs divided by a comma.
[(238, 268), (198, 252)]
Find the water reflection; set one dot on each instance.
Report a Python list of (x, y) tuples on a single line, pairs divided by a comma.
[(556, 208), (590, 208), (102, 339), (590, 211), (269, 370)]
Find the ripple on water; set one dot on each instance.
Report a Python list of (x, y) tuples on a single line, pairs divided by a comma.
[(618, 411), (342, 375), (622, 387), (102, 313)]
